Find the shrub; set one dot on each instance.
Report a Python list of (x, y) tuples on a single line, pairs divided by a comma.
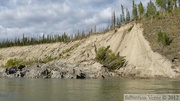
[(111, 61), (163, 38), (130, 28), (17, 62), (115, 30), (13, 62), (101, 54)]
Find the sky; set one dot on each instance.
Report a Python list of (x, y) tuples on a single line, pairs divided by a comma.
[(37, 17)]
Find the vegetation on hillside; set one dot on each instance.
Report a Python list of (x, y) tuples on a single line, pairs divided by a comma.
[(138, 14), (13, 62), (111, 61), (41, 40), (17, 62), (163, 39), (160, 21), (162, 30)]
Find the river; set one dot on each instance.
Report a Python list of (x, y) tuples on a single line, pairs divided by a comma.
[(111, 89)]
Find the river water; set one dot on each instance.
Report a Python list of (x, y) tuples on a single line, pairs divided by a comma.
[(82, 90)]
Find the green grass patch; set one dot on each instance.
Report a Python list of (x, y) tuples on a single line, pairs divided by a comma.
[(1, 57), (17, 62), (13, 62), (48, 59)]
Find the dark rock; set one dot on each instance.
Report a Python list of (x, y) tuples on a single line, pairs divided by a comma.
[(81, 76), (21, 67), (74, 71), (11, 70), (103, 76), (62, 75), (22, 74), (46, 74), (7, 71), (175, 59)]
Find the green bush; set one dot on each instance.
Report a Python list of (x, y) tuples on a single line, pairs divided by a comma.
[(111, 61), (13, 62), (130, 28), (163, 38), (17, 62)]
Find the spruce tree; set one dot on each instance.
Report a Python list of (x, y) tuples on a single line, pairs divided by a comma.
[(151, 9), (127, 15), (161, 3), (141, 9), (133, 4), (121, 18), (134, 9), (122, 10), (113, 20), (135, 12), (170, 5), (175, 3)]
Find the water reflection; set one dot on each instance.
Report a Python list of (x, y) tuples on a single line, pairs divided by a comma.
[(82, 90)]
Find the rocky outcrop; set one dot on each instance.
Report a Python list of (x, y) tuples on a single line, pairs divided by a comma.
[(58, 70)]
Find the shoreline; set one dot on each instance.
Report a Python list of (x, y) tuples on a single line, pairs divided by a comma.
[(43, 71)]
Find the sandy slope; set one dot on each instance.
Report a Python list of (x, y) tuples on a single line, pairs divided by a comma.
[(142, 61)]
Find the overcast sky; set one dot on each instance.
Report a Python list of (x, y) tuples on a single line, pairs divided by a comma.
[(37, 17)]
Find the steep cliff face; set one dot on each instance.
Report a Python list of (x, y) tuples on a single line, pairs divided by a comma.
[(127, 41)]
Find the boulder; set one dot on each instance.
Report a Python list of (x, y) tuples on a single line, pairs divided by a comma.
[(81, 76)]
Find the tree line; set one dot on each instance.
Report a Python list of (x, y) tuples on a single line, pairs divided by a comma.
[(139, 12), (24, 41)]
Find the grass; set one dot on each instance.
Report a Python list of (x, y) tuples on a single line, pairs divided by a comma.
[(17, 62), (1, 57), (13, 62), (168, 23), (47, 59)]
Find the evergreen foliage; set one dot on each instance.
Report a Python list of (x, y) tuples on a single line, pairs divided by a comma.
[(113, 20), (161, 3), (128, 18), (151, 9), (123, 16), (111, 61), (163, 39), (167, 5), (135, 12), (41, 40), (140, 9), (170, 5)]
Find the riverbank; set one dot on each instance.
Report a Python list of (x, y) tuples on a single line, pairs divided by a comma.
[(64, 70), (67, 60), (58, 70)]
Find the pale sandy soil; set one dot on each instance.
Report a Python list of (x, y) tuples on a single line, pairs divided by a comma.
[(141, 60)]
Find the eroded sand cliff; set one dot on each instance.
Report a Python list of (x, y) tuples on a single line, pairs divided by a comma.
[(141, 60)]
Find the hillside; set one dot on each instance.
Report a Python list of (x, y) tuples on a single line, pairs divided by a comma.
[(168, 23), (128, 41)]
